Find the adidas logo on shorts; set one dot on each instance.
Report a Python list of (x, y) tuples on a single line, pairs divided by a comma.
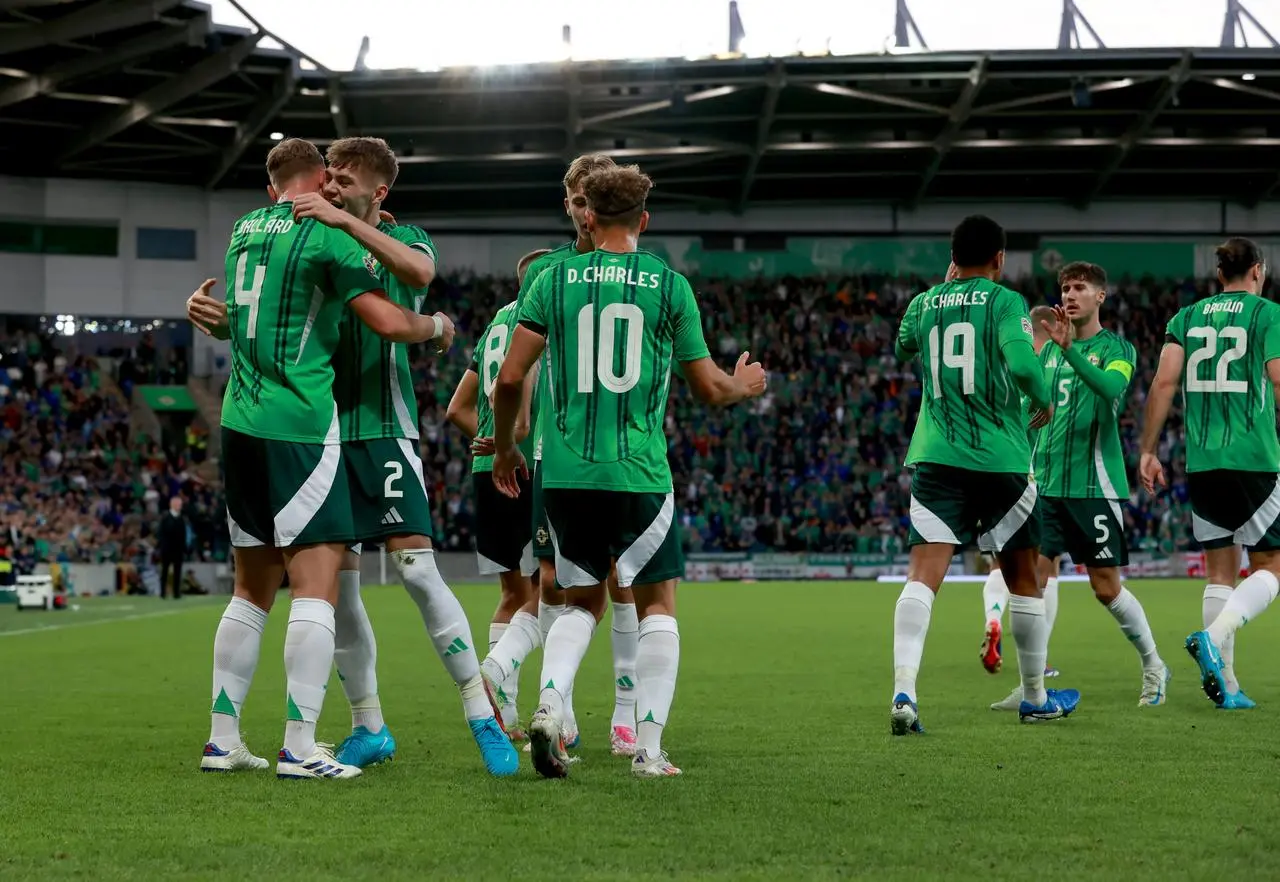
[(1105, 554), (392, 517)]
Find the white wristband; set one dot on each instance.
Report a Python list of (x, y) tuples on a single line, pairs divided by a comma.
[(439, 317)]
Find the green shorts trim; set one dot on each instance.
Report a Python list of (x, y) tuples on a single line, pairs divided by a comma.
[(953, 506), (284, 494), (1090, 530), (388, 491), (1235, 508), (590, 529), (504, 526), (542, 549)]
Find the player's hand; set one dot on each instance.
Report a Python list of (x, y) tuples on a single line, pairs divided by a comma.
[(484, 446), (1040, 417), (386, 217), (1151, 473), (952, 272), (204, 312), (316, 207), (443, 342), (1060, 331), (508, 468), (751, 377)]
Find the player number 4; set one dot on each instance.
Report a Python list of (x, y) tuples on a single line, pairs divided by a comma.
[(956, 352), (1237, 338), (597, 363), (249, 295)]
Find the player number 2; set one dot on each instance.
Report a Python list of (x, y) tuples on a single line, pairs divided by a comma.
[(597, 362), (248, 296), (1238, 339), (956, 352), (395, 472)]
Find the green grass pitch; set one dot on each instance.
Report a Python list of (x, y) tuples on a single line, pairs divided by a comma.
[(780, 723)]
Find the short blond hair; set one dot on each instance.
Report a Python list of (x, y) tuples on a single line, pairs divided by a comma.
[(523, 265), (585, 165), (366, 154), (290, 158)]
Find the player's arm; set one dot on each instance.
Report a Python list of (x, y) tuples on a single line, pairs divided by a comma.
[(1160, 397), (414, 265), (462, 406), (1108, 382), (706, 380), (393, 322), (524, 421), (1015, 339), (527, 344)]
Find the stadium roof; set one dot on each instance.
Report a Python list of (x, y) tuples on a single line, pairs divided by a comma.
[(151, 90)]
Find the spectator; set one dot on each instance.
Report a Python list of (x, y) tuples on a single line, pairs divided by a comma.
[(171, 541)]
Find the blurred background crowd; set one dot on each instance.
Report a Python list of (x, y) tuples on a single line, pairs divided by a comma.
[(813, 466)]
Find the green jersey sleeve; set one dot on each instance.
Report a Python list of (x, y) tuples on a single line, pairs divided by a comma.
[(348, 274), (686, 324), (1013, 323), (907, 345), (1271, 343), (533, 307), (417, 238), (1176, 330)]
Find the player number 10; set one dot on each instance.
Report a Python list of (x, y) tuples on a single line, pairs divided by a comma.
[(956, 352), (1238, 339), (597, 362)]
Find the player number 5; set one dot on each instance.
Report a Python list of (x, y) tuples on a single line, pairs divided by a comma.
[(248, 296), (1064, 391), (1238, 339), (596, 363), (1104, 532), (395, 472), (956, 352)]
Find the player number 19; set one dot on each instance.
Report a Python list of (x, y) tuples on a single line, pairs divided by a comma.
[(956, 352), (248, 296), (597, 362), (1238, 339)]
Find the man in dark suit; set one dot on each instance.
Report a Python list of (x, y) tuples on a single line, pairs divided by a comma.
[(172, 539)]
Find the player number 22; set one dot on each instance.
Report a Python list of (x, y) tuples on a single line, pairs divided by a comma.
[(249, 295), (1238, 339), (629, 315), (956, 352)]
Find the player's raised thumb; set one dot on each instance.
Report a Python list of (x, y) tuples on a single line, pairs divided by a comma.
[(208, 283), (742, 359)]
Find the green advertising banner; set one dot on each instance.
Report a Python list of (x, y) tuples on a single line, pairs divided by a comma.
[(1119, 257)]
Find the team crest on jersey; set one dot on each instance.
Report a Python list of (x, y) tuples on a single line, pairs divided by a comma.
[(542, 536), (1095, 361), (371, 263), (1026, 325)]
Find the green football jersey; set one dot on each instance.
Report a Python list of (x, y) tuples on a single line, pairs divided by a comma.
[(1229, 409), (971, 416), (287, 284), (614, 324), (490, 352), (374, 387), (1078, 455), (531, 274)]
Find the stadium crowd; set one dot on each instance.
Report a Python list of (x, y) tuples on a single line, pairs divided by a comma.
[(76, 485), (812, 466), (816, 464)]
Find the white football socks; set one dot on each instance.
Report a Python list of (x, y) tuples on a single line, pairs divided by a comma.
[(355, 653), (235, 657), (308, 658), (566, 644), (995, 596), (1215, 598), (547, 615), (1129, 614), (447, 626), (1031, 634), (1247, 602), (910, 626), (496, 630), (657, 663), (506, 658), (1050, 610), (626, 646)]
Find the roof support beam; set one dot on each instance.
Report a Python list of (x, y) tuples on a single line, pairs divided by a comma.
[(107, 15), (877, 98), (573, 113), (166, 94), (719, 145), (652, 106), (263, 112), (192, 33), (1046, 97), (959, 116), (1138, 130), (777, 82), (338, 107)]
